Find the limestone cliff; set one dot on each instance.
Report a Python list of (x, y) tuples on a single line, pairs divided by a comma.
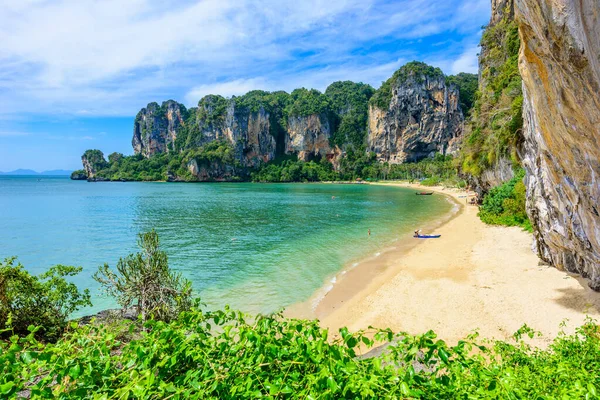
[(211, 171), (93, 161), (155, 128), (501, 9), (253, 126), (422, 116), (493, 133), (250, 133), (560, 66), (308, 136)]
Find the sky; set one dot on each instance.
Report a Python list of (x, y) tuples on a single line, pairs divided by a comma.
[(74, 73)]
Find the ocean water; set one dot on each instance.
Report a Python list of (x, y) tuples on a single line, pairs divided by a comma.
[(256, 247)]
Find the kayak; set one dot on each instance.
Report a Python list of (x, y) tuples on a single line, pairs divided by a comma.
[(424, 193), (427, 236)]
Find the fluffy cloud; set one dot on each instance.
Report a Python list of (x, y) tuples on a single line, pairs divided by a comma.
[(109, 57), (467, 62)]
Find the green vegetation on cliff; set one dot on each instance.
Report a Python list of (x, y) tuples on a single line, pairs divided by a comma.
[(467, 88), (505, 204), (495, 128), (166, 166), (350, 102), (304, 102), (79, 174), (211, 109), (95, 159), (416, 69)]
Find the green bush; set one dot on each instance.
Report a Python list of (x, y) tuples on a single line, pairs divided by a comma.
[(45, 301), (467, 86), (145, 281), (505, 204), (350, 101), (304, 102), (160, 166), (432, 181), (225, 354)]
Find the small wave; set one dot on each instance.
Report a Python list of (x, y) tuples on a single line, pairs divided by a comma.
[(321, 295), (377, 254), (333, 280)]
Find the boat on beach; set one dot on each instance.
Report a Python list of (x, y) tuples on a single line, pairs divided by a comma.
[(424, 193), (427, 236)]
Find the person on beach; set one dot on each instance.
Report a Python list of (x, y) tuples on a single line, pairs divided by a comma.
[(369, 232), (417, 233)]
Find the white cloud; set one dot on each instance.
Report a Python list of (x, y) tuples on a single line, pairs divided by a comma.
[(227, 89), (111, 57), (467, 62)]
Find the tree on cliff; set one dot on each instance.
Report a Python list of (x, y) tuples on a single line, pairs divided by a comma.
[(145, 281), (467, 86)]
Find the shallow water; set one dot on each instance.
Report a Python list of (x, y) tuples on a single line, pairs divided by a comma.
[(256, 247)]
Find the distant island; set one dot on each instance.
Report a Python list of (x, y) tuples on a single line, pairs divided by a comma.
[(27, 172)]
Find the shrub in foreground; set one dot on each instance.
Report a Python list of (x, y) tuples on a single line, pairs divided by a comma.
[(223, 354), (45, 300), (505, 204), (145, 281)]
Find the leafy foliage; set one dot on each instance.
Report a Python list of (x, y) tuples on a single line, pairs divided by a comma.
[(467, 87), (304, 102), (289, 169), (350, 102), (495, 129), (45, 301), (78, 174), (224, 354), (505, 204), (211, 109), (359, 164), (95, 158), (161, 167), (145, 281), (413, 70)]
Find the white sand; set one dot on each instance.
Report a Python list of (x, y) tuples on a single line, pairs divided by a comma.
[(474, 277)]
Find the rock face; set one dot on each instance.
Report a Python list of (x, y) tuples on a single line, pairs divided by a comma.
[(500, 9), (211, 171), (502, 171), (423, 118), (308, 136), (155, 128), (560, 66), (93, 161), (250, 133)]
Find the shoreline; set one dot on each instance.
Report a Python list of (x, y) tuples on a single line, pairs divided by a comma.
[(475, 277), (358, 274)]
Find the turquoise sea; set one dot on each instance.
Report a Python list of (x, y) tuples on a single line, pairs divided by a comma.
[(257, 247)]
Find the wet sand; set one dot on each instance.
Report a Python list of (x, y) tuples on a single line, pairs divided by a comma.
[(475, 277)]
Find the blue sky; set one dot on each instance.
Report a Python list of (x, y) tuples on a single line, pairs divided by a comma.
[(74, 73)]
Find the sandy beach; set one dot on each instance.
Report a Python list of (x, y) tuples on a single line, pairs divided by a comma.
[(475, 277)]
